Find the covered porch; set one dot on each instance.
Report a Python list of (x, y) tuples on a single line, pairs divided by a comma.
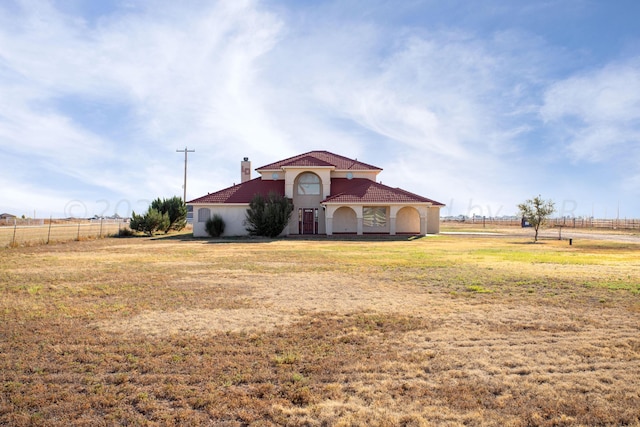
[(392, 219)]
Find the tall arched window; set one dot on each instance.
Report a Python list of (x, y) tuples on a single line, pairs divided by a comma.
[(309, 184)]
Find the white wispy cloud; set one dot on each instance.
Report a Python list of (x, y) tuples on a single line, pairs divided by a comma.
[(99, 106), (597, 113), (182, 77)]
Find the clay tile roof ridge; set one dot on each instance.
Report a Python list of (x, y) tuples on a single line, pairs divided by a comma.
[(324, 156)]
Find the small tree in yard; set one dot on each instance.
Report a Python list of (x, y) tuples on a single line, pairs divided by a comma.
[(175, 209), (268, 216), (536, 211), (150, 222)]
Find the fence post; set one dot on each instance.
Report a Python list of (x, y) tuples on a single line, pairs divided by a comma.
[(101, 221), (15, 226), (78, 239), (49, 233)]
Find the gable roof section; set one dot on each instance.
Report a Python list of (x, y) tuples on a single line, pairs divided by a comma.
[(320, 158), (361, 190), (307, 161), (244, 192)]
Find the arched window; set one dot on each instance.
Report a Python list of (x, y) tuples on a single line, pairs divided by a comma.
[(309, 184), (204, 214)]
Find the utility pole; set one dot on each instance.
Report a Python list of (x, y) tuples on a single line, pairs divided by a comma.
[(185, 151)]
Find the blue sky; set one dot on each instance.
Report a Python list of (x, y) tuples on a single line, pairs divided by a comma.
[(477, 104)]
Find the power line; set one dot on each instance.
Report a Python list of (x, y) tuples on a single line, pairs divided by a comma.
[(185, 151)]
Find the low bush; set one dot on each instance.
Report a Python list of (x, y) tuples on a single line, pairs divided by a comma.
[(215, 226), (125, 232)]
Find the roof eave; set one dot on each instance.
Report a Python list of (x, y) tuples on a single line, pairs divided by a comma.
[(268, 170), (382, 202), (308, 166), (219, 203)]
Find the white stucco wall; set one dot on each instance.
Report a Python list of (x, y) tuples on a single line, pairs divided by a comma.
[(233, 216)]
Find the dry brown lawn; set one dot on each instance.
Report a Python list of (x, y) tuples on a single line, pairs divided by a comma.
[(447, 330)]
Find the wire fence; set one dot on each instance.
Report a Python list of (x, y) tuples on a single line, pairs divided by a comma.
[(611, 224), (18, 234)]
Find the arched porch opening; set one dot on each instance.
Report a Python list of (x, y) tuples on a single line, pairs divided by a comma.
[(345, 221), (408, 221)]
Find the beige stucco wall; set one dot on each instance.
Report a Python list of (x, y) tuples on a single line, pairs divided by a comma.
[(418, 219), (370, 175), (341, 219), (307, 201), (433, 220), (408, 220), (292, 173), (345, 220)]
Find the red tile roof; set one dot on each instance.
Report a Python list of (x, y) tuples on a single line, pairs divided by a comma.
[(343, 190), (244, 192), (320, 158), (361, 190)]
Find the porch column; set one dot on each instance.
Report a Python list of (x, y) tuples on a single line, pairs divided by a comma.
[(393, 212), (423, 222), (329, 225)]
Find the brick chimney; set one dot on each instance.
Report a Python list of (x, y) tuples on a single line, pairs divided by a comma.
[(245, 170)]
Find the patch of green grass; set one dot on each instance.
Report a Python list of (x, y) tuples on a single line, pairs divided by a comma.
[(479, 289), (542, 257), (632, 287), (286, 358)]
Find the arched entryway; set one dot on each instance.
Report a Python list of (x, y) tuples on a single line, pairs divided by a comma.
[(306, 199)]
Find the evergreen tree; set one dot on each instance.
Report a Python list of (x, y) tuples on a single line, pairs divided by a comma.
[(268, 216), (150, 222), (175, 209)]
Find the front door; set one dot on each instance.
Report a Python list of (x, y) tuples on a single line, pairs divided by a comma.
[(308, 221)]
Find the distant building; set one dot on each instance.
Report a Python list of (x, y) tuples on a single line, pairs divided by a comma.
[(331, 194), (6, 218)]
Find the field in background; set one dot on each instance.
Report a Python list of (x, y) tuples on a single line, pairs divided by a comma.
[(580, 223), (58, 231), (446, 330)]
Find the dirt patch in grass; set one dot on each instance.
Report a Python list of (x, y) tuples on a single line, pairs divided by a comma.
[(199, 322), (438, 331)]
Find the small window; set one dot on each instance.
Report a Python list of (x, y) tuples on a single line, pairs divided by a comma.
[(204, 214), (374, 217), (309, 184)]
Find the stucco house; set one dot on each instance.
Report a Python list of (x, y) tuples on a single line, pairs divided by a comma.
[(331, 194)]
